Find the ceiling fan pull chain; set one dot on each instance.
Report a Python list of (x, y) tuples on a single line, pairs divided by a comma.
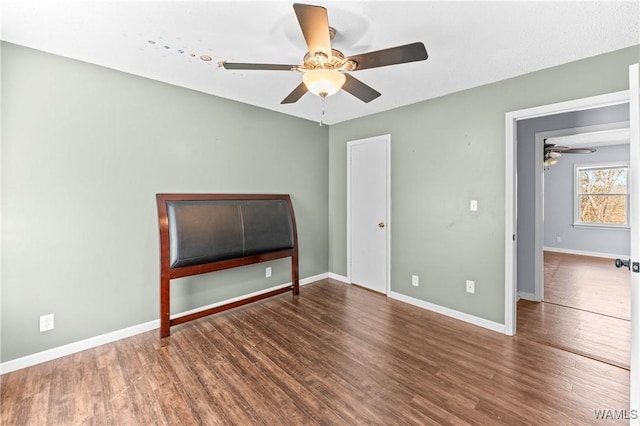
[(321, 118)]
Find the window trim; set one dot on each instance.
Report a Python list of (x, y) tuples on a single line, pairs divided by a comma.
[(577, 223)]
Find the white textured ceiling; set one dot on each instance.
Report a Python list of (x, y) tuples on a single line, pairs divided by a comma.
[(469, 43)]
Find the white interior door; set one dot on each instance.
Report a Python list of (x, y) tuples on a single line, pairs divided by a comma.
[(368, 197), (634, 220)]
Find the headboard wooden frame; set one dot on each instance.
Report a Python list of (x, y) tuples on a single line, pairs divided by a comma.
[(167, 272)]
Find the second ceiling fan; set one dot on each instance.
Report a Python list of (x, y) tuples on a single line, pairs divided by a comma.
[(324, 68), (552, 152)]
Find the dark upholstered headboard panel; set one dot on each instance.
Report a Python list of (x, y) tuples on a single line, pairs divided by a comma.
[(202, 233)]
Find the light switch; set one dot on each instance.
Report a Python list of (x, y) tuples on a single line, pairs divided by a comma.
[(473, 205)]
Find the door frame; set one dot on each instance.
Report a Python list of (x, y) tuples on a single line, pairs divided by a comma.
[(510, 238), (350, 144), (634, 152)]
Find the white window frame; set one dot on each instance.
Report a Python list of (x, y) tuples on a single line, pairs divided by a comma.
[(576, 194)]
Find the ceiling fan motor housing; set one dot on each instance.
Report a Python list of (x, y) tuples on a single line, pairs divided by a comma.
[(319, 60)]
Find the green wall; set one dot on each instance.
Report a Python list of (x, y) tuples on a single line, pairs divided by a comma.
[(445, 152), (84, 151), (85, 148)]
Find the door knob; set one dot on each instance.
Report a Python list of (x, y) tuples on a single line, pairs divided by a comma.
[(626, 263), (381, 225), (632, 266)]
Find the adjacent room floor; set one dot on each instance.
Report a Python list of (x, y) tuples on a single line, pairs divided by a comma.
[(586, 308), (336, 354)]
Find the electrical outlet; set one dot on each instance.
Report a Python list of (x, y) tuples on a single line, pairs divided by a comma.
[(558, 239), (46, 322), (415, 280), (471, 286), (267, 272), (473, 205)]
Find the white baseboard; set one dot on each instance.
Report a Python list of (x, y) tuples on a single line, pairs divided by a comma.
[(339, 278), (494, 326), (586, 253), (303, 281), (314, 278), (71, 348), (92, 342), (526, 296)]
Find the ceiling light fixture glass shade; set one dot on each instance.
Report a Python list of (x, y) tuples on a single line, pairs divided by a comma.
[(551, 158), (323, 82)]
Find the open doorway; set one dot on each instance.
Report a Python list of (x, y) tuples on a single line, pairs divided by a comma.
[(571, 295)]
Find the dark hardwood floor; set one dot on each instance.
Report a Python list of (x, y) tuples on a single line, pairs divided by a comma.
[(335, 355), (586, 308), (588, 283)]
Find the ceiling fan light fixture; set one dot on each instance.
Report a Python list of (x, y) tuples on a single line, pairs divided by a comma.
[(323, 82)]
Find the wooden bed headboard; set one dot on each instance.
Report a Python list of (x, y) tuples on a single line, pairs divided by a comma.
[(202, 233)]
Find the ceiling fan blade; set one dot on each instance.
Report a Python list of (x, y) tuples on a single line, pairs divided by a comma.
[(297, 93), (261, 67), (579, 151), (555, 148), (359, 89), (550, 148), (314, 23), (391, 56)]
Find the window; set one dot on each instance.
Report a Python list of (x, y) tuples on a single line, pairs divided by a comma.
[(602, 195)]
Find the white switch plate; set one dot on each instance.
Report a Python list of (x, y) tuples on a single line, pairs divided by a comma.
[(471, 286), (268, 272), (473, 205), (415, 281)]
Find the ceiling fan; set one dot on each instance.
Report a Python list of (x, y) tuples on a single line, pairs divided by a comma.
[(324, 68), (552, 152)]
